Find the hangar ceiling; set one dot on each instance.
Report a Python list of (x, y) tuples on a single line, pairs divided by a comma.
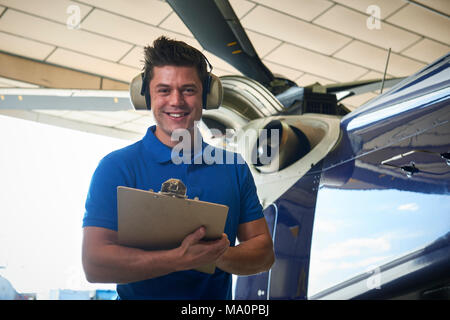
[(98, 44)]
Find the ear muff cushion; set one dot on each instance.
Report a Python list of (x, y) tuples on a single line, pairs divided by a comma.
[(137, 100), (213, 98), (215, 95)]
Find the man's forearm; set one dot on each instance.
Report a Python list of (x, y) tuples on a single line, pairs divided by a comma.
[(119, 264), (249, 257), (104, 260)]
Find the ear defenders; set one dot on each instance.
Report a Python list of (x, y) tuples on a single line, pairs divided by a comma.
[(212, 93)]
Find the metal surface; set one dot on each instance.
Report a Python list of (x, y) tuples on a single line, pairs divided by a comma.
[(373, 228), (291, 225), (377, 223)]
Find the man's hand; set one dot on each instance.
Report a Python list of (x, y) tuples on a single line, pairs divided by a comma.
[(254, 253), (195, 252)]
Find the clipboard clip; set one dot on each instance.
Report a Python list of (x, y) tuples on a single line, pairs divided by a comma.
[(174, 188)]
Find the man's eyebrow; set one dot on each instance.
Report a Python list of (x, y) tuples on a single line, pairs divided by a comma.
[(190, 86), (187, 85)]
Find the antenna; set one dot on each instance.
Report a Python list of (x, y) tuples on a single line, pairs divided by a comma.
[(385, 70)]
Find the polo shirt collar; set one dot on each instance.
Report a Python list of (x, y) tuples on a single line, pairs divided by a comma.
[(159, 151)]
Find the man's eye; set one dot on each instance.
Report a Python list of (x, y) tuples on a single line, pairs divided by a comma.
[(189, 90)]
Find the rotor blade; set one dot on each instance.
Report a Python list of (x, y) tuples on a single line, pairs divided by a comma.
[(217, 28)]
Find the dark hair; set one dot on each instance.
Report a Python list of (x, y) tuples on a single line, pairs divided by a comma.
[(169, 52)]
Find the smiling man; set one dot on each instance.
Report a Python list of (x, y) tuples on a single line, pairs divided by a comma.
[(175, 74), (177, 100)]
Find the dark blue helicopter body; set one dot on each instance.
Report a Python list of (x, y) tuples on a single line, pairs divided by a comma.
[(372, 219)]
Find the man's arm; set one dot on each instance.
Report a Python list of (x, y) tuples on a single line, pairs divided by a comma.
[(105, 261), (254, 254)]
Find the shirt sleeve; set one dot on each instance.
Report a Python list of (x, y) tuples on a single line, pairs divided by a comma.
[(251, 208), (101, 201)]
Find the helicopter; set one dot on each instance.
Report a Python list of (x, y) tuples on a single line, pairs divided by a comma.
[(336, 199), (357, 201)]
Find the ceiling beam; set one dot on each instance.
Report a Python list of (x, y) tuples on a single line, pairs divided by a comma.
[(32, 115), (52, 76)]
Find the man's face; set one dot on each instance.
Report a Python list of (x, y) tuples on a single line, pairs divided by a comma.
[(176, 100)]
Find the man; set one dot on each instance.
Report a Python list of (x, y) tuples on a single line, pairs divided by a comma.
[(175, 72)]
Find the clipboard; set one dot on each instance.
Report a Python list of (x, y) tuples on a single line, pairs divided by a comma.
[(158, 221)]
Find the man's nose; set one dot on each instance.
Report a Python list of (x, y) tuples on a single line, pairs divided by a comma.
[(176, 98)]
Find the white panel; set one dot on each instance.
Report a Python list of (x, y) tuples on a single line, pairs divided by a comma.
[(427, 50), (59, 35), (423, 22), (386, 6), (134, 58), (148, 11), (174, 23), (315, 63), (355, 24), (303, 9), (262, 44), (400, 66), (24, 47), (286, 72), (93, 65), (439, 5), (292, 30), (241, 7), (51, 9), (375, 58), (120, 28), (130, 30), (365, 55)]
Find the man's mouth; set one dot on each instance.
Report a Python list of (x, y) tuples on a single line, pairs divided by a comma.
[(177, 115)]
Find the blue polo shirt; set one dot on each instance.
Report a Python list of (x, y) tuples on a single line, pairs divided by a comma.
[(145, 165)]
